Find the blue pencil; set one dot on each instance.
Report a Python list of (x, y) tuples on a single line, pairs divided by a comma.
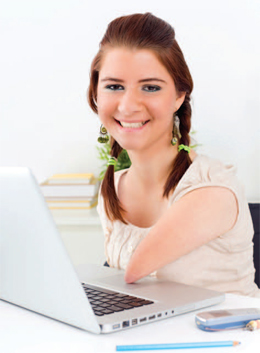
[(146, 347)]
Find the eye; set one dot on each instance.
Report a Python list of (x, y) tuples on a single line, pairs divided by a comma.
[(151, 88), (115, 87)]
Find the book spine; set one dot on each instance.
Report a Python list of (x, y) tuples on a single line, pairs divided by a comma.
[(69, 191)]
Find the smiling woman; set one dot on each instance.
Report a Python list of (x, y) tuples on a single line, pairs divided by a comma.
[(138, 109), (173, 213), (143, 35)]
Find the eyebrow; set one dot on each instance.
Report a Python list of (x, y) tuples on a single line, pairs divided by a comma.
[(140, 81)]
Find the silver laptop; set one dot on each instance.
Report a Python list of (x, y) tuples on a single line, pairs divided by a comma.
[(36, 272)]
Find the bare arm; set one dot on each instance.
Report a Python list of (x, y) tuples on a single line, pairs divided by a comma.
[(197, 218)]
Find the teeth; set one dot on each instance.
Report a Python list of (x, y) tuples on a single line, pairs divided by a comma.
[(132, 125)]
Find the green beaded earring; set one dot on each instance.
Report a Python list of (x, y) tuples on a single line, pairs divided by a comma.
[(103, 136), (174, 140), (176, 135)]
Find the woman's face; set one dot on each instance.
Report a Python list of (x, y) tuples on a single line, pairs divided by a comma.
[(136, 98)]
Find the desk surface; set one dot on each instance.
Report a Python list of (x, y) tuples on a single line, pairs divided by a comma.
[(26, 332)]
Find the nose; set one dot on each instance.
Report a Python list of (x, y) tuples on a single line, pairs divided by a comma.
[(129, 103)]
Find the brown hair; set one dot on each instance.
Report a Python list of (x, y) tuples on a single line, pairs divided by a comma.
[(145, 31)]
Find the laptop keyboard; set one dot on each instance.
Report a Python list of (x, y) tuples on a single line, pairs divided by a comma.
[(105, 302)]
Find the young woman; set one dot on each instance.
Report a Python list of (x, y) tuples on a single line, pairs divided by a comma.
[(174, 214)]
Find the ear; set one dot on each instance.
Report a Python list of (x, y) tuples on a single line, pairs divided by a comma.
[(179, 100)]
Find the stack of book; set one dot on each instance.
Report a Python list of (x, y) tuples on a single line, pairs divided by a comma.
[(71, 191)]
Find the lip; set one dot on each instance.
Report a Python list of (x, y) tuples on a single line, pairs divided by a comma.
[(128, 129), (130, 121)]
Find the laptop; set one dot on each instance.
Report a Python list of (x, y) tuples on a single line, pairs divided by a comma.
[(36, 272)]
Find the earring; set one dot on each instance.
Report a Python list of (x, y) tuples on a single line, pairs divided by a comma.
[(176, 135), (103, 136)]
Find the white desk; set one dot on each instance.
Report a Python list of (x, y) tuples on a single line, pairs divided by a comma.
[(22, 331)]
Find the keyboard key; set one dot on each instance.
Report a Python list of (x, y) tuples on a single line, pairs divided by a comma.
[(97, 297), (121, 295), (92, 299), (113, 302), (105, 300), (146, 302), (107, 311), (116, 308), (124, 306), (99, 313), (126, 301), (133, 298), (96, 302), (94, 292), (135, 304), (110, 296), (137, 300), (105, 305), (117, 300)]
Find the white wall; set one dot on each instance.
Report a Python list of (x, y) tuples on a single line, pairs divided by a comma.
[(46, 51)]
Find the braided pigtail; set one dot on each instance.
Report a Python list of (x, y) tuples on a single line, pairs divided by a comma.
[(182, 161), (111, 202)]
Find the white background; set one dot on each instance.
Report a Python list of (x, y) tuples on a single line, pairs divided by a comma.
[(46, 51)]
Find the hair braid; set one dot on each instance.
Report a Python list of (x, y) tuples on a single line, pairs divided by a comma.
[(184, 114), (182, 161), (111, 202)]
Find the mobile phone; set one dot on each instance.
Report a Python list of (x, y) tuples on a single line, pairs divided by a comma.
[(226, 319)]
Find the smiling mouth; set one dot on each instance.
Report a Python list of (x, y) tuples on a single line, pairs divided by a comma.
[(132, 125)]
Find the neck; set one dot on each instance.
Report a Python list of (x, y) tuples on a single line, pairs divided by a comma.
[(151, 168)]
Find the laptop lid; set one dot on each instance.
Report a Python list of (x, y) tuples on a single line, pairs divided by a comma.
[(35, 269)]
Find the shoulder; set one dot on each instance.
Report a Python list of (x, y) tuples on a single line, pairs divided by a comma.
[(207, 168), (207, 171), (210, 177)]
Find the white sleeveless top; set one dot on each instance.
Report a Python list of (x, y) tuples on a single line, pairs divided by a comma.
[(224, 264)]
